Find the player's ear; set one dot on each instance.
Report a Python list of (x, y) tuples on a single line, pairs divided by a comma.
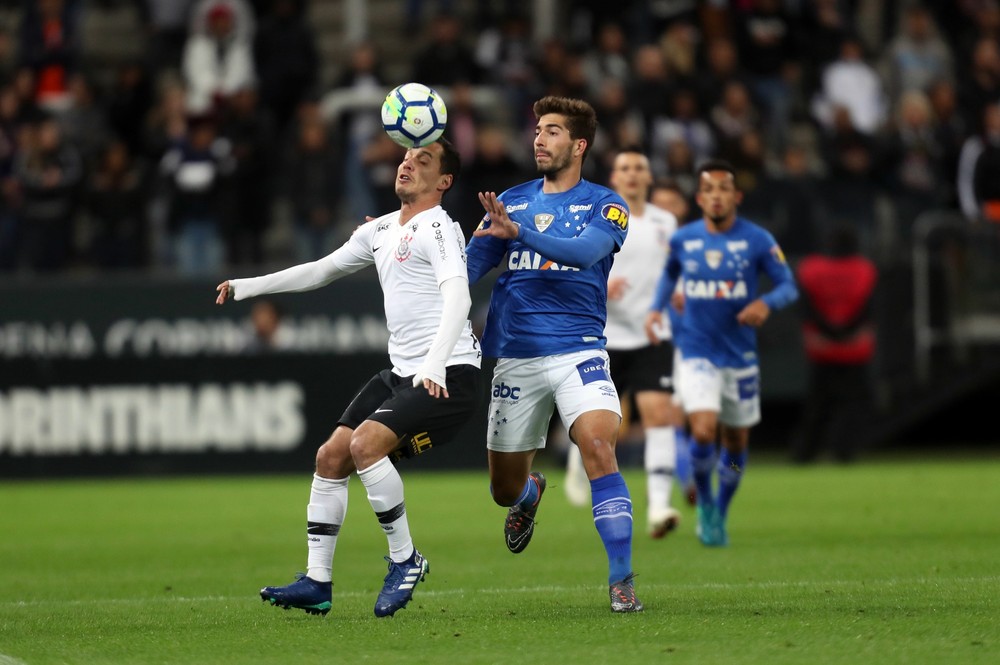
[(581, 147), (446, 181), (739, 197)]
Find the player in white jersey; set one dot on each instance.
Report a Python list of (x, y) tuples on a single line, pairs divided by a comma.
[(639, 368), (430, 392)]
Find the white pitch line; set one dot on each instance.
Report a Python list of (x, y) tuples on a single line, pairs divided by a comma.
[(720, 586)]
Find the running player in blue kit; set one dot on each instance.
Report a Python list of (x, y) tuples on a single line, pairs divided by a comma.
[(719, 259), (545, 326)]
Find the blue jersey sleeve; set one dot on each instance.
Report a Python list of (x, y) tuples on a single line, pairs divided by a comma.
[(784, 292), (668, 280), (582, 251), (483, 255)]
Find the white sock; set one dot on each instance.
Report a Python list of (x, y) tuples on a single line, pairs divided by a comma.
[(660, 459), (385, 493), (325, 513)]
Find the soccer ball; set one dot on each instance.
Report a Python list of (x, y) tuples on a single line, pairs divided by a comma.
[(413, 115)]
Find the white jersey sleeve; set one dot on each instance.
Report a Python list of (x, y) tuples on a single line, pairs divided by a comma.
[(348, 258)]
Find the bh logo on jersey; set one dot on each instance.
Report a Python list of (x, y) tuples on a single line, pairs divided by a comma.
[(715, 289), (504, 392)]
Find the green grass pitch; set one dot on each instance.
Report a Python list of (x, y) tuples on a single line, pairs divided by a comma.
[(887, 562)]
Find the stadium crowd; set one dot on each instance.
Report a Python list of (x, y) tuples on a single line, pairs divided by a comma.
[(182, 158)]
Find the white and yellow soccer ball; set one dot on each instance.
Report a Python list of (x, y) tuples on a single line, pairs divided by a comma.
[(414, 115)]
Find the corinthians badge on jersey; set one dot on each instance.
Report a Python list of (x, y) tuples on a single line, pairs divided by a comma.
[(543, 220), (713, 258)]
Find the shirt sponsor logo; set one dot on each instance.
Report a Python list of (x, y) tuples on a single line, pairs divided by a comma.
[(778, 255), (531, 260), (715, 289), (439, 239), (692, 245), (616, 213), (543, 220), (737, 245), (691, 266), (713, 258), (580, 208), (519, 206)]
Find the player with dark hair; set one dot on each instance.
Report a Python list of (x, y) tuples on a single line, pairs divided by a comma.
[(545, 326), (719, 260), (431, 390)]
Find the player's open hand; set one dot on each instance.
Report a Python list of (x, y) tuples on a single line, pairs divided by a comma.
[(225, 293), (653, 326), (500, 224), (617, 287), (754, 314)]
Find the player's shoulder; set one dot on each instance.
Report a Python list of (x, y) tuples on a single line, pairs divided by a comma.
[(690, 231), (659, 216), (376, 226), (752, 229), (528, 189)]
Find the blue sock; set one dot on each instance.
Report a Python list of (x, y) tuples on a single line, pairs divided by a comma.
[(529, 495), (731, 467), (682, 465), (702, 465), (613, 519)]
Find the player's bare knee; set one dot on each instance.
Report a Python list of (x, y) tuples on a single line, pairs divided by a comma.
[(333, 459)]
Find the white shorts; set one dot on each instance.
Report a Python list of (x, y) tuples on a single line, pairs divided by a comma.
[(733, 393), (526, 390)]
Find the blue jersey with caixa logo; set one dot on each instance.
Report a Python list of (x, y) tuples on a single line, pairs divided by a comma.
[(538, 307), (719, 273)]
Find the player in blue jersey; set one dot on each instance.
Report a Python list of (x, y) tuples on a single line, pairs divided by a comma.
[(545, 326), (718, 260)]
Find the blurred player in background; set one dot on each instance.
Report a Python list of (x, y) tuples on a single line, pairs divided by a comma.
[(668, 195), (546, 329), (720, 258), (430, 392), (640, 369)]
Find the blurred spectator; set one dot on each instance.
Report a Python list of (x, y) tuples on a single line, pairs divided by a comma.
[(685, 123), (504, 53), (794, 195), (313, 185), (84, 123), (445, 59), (732, 118), (463, 121), (8, 56), (721, 68), (839, 337), (166, 124), (851, 83), (619, 124), (492, 169), (241, 11), (979, 170), (748, 157), (679, 44), (380, 160), (681, 167), (607, 60), (128, 104), (981, 83), (917, 56), (824, 26), (217, 62), (250, 132), (115, 201), (286, 60), (767, 46), (268, 331), (949, 131), (50, 48), (166, 26), (360, 125), (10, 131), (48, 172), (850, 190), (912, 161), (667, 195), (194, 174), (650, 90)]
